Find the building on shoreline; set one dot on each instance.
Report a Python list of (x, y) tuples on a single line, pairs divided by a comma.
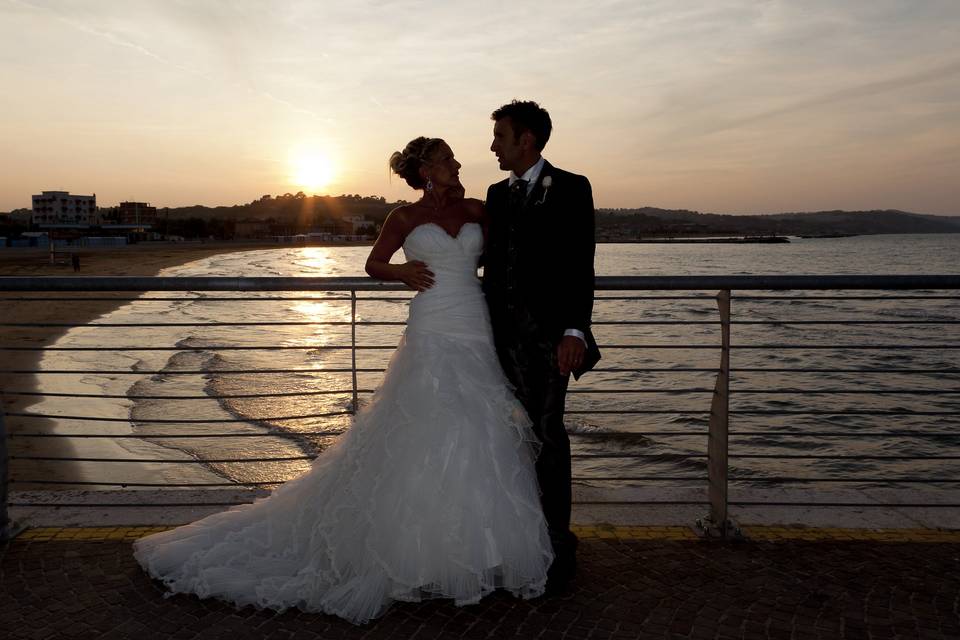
[(133, 214), (62, 207)]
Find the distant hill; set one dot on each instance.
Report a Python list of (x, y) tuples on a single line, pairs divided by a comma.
[(628, 224), (298, 212), (295, 209)]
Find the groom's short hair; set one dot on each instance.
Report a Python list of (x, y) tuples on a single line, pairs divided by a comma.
[(527, 115)]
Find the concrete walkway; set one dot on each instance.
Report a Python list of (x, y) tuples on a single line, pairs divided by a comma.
[(633, 582)]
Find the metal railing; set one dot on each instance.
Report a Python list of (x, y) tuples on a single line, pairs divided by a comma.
[(718, 435)]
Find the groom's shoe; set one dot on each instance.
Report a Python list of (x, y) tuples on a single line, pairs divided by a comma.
[(558, 583), (560, 574), (564, 567)]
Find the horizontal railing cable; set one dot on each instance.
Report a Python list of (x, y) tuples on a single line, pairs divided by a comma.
[(247, 323), (293, 394), (192, 372), (687, 412), (179, 436), (212, 347), (847, 434), (231, 503), (844, 322), (860, 347), (837, 412), (870, 392), (327, 414), (398, 323), (129, 505), (327, 298), (573, 434), (882, 480), (229, 396), (319, 347), (821, 456), (164, 460), (84, 298), (648, 478), (851, 297), (141, 372), (661, 456), (883, 370), (845, 504), (259, 483), (599, 435), (362, 284)]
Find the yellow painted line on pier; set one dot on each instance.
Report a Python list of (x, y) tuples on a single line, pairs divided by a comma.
[(613, 532), (835, 534), (92, 534), (601, 531)]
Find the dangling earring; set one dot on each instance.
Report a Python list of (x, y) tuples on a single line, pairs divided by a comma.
[(429, 185)]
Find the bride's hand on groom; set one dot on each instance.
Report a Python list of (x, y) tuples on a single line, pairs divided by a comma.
[(570, 353), (416, 275)]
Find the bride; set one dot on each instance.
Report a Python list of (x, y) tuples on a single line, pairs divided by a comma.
[(432, 492)]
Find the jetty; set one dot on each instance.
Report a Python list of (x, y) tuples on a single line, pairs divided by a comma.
[(711, 240)]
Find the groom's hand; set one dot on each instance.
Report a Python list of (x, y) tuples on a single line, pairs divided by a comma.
[(416, 275), (570, 354)]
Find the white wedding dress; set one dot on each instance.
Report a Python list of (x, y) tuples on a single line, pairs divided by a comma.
[(431, 493)]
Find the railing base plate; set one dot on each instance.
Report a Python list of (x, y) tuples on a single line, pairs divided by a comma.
[(11, 531), (707, 529)]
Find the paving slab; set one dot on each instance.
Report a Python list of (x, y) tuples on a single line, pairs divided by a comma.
[(633, 582)]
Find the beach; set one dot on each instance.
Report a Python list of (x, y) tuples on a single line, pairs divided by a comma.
[(131, 260)]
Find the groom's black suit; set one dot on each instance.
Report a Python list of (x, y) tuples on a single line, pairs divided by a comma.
[(538, 280)]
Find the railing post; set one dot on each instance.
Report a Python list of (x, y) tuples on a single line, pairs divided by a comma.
[(6, 527), (718, 523), (353, 345)]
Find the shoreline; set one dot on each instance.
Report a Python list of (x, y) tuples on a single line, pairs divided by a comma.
[(132, 260)]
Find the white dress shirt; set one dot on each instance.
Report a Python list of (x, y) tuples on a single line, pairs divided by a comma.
[(530, 175)]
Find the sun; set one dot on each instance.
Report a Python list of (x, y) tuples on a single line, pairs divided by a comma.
[(311, 169)]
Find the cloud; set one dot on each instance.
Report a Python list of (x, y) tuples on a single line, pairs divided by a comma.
[(205, 21), (941, 74)]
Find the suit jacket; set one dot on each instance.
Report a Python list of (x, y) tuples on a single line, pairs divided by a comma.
[(546, 263)]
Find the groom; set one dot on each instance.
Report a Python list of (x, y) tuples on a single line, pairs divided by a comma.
[(538, 280)]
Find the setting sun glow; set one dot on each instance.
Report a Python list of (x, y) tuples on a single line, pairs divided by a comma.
[(311, 170)]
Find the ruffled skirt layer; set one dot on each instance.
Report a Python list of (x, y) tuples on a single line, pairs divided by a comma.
[(431, 493)]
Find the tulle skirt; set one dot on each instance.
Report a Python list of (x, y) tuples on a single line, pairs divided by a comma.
[(431, 493)]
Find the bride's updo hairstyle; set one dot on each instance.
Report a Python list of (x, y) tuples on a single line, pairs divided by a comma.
[(407, 163)]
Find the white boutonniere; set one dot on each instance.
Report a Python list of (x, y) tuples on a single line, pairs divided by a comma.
[(546, 182)]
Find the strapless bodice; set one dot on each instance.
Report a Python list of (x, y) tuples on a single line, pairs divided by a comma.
[(454, 305), (452, 259)]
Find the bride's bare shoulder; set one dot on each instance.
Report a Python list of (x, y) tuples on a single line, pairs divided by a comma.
[(402, 218)]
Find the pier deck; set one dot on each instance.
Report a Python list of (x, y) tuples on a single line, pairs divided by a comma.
[(633, 582)]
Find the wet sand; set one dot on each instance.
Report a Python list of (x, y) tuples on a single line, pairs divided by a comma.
[(133, 260)]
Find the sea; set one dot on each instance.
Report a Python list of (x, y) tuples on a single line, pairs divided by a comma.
[(641, 420)]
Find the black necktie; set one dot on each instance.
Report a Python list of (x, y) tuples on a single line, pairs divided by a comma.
[(518, 194)]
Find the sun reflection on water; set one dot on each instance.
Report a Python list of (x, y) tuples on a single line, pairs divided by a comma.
[(315, 261)]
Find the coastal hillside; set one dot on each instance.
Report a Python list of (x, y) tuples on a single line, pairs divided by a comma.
[(301, 212), (298, 213), (628, 224)]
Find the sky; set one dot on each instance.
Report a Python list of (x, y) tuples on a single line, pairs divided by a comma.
[(729, 106)]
